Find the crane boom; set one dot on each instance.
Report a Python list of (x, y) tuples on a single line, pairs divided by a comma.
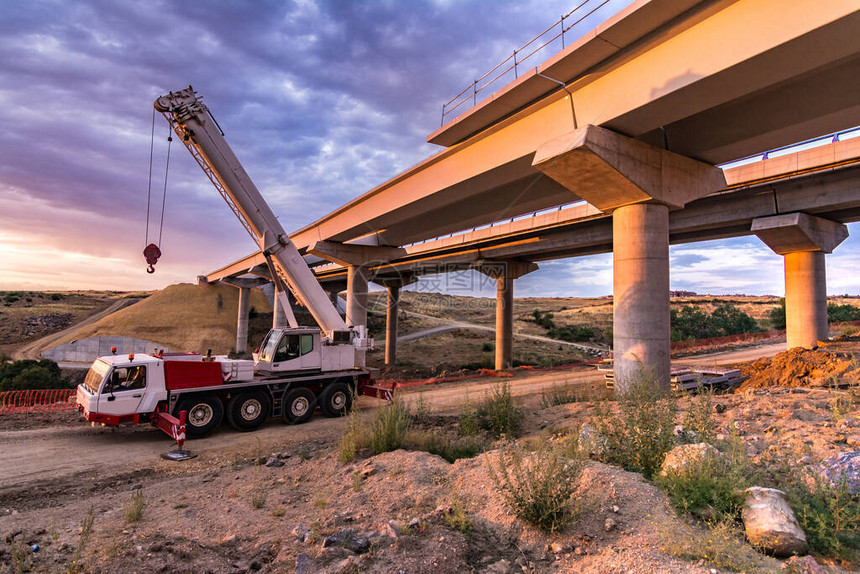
[(192, 122)]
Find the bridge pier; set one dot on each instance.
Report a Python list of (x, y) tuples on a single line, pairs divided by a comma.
[(358, 259), (244, 285), (638, 184), (803, 240), (504, 272)]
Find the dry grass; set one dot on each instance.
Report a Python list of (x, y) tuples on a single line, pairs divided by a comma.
[(181, 317)]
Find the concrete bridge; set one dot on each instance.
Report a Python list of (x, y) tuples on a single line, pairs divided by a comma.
[(631, 119)]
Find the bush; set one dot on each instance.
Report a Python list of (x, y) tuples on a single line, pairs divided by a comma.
[(638, 438), (698, 418), (562, 395), (829, 514), (354, 437), (447, 448), (777, 316), (498, 414), (693, 323), (710, 490), (389, 427), (841, 313), (30, 374), (134, 508), (539, 487)]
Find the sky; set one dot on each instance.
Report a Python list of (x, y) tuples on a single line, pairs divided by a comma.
[(321, 101)]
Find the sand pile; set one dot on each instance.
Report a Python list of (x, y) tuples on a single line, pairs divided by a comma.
[(182, 317), (800, 367)]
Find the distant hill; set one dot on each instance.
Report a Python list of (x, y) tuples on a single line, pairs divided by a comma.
[(182, 317)]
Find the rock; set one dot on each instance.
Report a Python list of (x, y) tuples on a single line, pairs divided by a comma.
[(719, 408), (590, 442), (557, 548), (348, 538), (283, 455), (304, 564), (609, 525), (301, 532), (501, 567), (802, 565), (770, 523), (367, 470), (615, 509), (414, 523), (844, 466), (274, 462), (853, 440), (685, 456), (392, 529)]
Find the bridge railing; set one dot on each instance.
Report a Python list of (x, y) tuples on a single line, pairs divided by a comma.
[(39, 400), (512, 63)]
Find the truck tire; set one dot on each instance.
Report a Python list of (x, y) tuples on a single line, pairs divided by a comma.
[(205, 413), (298, 406), (336, 400), (247, 411)]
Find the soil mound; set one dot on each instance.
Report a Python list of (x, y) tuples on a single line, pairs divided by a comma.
[(183, 317), (800, 367)]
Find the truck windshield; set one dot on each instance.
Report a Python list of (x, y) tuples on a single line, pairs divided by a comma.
[(270, 345), (95, 376)]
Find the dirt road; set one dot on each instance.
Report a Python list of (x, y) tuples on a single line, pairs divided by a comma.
[(32, 349), (74, 451)]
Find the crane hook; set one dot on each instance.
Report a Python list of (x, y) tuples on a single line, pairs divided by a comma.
[(151, 253)]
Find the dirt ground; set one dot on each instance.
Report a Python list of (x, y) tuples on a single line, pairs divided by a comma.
[(67, 488)]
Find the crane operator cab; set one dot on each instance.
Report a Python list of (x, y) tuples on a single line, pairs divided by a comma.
[(290, 350)]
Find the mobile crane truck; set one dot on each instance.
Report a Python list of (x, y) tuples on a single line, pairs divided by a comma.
[(295, 369)]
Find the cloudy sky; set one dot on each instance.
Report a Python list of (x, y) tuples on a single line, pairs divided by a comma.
[(320, 100)]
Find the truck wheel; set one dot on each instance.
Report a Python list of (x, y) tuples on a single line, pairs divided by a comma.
[(247, 411), (204, 415), (336, 400), (298, 406)]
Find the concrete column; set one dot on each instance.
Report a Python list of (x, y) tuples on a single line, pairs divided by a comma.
[(504, 321), (356, 296), (391, 311), (640, 237), (802, 240), (242, 322), (279, 316), (805, 299)]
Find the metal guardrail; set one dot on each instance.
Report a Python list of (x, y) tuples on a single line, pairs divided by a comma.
[(771, 153), (41, 400), (516, 59)]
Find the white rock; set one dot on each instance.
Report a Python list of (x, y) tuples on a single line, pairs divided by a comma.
[(686, 456), (770, 523)]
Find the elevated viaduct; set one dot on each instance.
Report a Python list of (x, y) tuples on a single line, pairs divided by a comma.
[(631, 120)]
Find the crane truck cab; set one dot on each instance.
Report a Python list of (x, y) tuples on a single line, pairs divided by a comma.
[(301, 349)]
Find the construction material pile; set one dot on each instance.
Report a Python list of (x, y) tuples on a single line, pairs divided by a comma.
[(800, 367)]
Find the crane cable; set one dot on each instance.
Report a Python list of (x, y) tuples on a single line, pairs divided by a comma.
[(151, 252)]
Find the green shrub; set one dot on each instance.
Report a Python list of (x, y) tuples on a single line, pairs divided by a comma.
[(777, 316), (355, 436), (539, 487), (134, 508), (30, 374), (447, 448), (710, 490), (638, 438), (487, 348), (389, 427), (841, 313), (829, 514), (469, 423), (698, 417), (497, 412), (690, 322), (563, 394), (457, 517)]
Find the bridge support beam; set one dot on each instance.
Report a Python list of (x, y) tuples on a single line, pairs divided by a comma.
[(242, 321), (504, 272), (639, 184), (244, 285), (803, 240), (358, 259)]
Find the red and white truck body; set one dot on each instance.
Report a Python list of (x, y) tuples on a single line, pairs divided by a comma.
[(293, 374)]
